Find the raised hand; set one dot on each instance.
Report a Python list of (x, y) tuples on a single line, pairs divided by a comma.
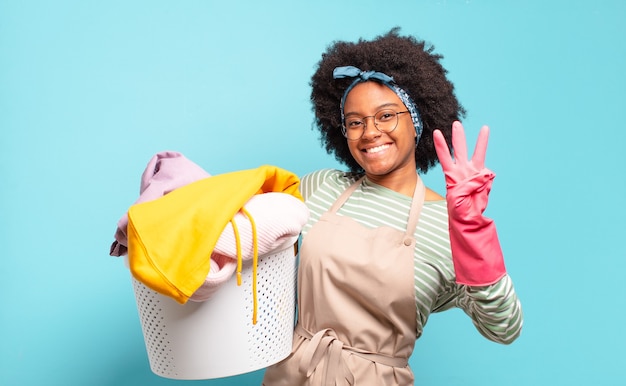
[(461, 167), (468, 182), (476, 251)]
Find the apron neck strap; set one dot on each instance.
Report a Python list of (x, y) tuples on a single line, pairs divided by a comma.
[(345, 195), (416, 206)]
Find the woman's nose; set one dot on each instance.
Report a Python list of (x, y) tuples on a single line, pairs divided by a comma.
[(369, 128)]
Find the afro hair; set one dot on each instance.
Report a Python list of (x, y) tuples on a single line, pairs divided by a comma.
[(414, 67)]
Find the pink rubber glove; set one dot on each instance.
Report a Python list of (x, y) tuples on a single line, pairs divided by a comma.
[(476, 251)]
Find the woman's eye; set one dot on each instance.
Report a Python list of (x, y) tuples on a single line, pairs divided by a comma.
[(354, 123), (385, 116)]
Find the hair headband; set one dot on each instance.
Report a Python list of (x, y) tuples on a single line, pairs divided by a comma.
[(363, 76)]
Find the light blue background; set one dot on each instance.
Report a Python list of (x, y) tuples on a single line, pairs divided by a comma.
[(89, 91)]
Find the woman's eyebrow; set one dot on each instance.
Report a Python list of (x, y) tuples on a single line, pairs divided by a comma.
[(380, 107)]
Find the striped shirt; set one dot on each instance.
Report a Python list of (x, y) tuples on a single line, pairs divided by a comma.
[(495, 310)]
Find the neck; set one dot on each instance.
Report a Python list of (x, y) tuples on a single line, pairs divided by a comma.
[(402, 182)]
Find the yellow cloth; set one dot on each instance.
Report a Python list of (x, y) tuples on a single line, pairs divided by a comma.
[(170, 239)]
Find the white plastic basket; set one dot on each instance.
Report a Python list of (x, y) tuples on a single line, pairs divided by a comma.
[(216, 338)]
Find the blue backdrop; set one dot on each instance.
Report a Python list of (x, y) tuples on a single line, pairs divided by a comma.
[(90, 90)]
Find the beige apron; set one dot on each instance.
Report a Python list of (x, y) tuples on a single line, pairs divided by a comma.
[(357, 320)]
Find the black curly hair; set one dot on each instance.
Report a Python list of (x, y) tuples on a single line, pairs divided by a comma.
[(414, 67)]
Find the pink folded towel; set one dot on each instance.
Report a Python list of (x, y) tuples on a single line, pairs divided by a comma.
[(221, 270), (278, 218)]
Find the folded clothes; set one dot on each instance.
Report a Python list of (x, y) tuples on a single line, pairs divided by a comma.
[(222, 269), (165, 172), (278, 219), (231, 218), (171, 239)]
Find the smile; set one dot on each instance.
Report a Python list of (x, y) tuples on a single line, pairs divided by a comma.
[(377, 149)]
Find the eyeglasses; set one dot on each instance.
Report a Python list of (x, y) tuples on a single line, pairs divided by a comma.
[(385, 121)]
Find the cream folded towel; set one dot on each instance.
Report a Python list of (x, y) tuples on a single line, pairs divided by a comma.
[(279, 218)]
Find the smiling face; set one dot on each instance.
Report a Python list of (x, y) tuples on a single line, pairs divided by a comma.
[(387, 158)]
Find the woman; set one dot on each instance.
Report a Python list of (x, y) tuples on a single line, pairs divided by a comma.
[(381, 252)]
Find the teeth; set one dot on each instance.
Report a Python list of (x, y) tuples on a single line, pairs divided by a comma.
[(376, 149)]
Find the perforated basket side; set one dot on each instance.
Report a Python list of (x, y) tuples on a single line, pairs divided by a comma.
[(271, 338), (217, 338), (154, 327)]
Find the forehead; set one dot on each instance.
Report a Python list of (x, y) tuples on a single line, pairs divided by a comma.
[(369, 97)]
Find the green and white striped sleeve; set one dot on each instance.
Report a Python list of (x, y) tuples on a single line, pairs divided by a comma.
[(495, 310)]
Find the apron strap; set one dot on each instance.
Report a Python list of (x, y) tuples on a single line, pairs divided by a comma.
[(345, 195), (416, 207)]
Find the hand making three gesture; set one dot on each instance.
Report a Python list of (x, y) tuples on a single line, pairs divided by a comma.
[(476, 252)]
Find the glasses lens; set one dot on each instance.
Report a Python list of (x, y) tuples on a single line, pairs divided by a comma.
[(386, 120), (353, 127)]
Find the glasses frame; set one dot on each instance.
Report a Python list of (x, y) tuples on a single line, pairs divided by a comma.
[(344, 130)]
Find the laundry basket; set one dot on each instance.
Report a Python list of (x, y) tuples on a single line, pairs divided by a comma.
[(216, 338)]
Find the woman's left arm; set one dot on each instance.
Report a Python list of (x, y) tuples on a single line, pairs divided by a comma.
[(486, 292), (495, 310)]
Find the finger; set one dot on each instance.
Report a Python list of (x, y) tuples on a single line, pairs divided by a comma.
[(480, 151), (458, 142), (443, 152)]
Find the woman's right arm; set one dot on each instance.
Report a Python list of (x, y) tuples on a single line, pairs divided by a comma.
[(310, 182)]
